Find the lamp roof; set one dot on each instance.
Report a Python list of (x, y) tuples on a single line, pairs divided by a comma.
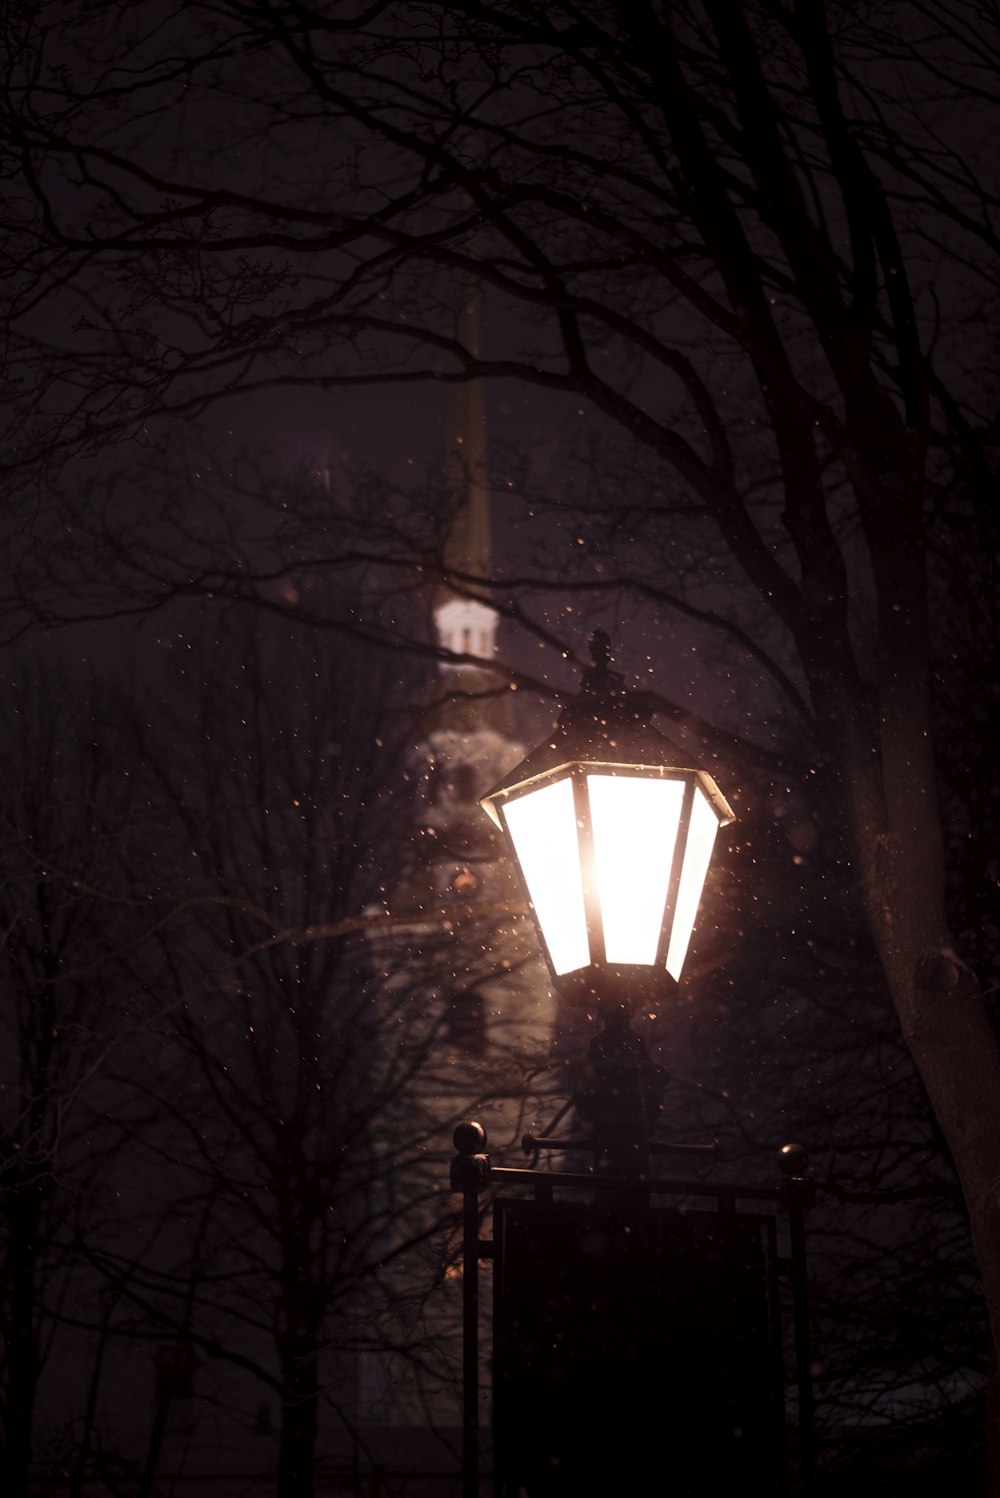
[(606, 725)]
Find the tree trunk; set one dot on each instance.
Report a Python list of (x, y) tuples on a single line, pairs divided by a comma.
[(952, 1039), (945, 1021), (299, 1417), (24, 1207)]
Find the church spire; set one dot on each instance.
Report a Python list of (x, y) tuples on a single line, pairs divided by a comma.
[(464, 619)]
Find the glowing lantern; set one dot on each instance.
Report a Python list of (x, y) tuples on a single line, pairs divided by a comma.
[(613, 842)]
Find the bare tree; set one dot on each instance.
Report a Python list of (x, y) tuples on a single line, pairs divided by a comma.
[(302, 1102), (751, 241), (73, 824)]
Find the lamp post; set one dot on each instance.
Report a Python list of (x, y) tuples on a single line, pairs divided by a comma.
[(618, 1321), (613, 842)]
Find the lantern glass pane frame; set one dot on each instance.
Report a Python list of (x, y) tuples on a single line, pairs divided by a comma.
[(683, 870)]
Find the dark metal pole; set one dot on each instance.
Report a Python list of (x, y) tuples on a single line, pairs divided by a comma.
[(619, 1092), (470, 1344), (799, 1194), (469, 1173)]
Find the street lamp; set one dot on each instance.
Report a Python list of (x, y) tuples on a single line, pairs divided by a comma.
[(612, 841), (615, 1314)]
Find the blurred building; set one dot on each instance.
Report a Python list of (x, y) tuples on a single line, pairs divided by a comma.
[(457, 910)]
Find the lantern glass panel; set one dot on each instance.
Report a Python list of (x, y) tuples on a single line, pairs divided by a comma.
[(542, 826), (697, 856), (634, 821)]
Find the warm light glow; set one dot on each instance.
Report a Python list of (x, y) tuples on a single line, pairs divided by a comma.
[(543, 828), (635, 828), (614, 856), (697, 856)]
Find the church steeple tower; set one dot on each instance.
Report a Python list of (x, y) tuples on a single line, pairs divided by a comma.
[(468, 738), (465, 622), (457, 948)]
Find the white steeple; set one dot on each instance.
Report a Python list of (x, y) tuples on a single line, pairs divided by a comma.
[(465, 622)]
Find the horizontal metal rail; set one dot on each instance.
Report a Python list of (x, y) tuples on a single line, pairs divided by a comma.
[(532, 1142), (729, 1189)]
